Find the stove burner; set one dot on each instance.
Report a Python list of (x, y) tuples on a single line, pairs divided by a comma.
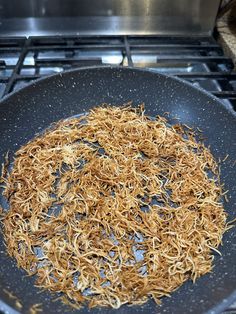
[(199, 60)]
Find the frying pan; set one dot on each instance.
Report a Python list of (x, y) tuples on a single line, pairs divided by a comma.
[(31, 109)]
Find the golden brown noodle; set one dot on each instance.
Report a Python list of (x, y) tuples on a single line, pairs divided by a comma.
[(35, 309), (114, 207), (11, 296)]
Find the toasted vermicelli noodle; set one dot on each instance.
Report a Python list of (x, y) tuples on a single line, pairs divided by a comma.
[(113, 207)]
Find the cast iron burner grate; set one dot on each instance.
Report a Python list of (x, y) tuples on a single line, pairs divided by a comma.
[(199, 60)]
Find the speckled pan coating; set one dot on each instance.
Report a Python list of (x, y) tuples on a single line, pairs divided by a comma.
[(33, 108)]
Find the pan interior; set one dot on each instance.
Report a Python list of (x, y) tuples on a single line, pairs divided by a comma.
[(35, 107)]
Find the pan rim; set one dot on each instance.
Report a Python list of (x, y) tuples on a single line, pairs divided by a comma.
[(144, 70)]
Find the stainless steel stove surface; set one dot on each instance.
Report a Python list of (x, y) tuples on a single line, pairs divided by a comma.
[(199, 60)]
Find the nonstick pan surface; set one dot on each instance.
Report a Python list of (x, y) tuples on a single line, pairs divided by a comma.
[(32, 109)]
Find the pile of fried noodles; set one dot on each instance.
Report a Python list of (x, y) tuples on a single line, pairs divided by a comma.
[(113, 207)]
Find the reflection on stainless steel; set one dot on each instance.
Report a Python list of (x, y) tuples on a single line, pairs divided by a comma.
[(37, 17), (59, 8)]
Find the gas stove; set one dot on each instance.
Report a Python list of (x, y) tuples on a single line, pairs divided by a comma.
[(199, 60)]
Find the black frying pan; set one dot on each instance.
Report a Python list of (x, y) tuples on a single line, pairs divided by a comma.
[(30, 110)]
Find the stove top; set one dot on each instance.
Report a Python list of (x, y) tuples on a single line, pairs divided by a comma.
[(199, 60)]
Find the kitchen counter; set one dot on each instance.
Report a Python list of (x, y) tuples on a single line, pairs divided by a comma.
[(226, 27)]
